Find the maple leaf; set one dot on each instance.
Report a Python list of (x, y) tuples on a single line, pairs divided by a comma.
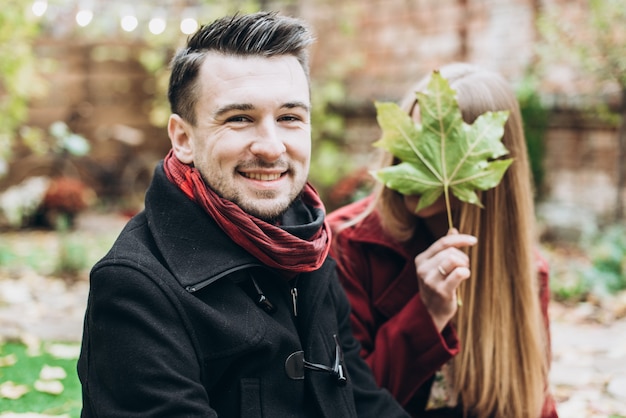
[(442, 154)]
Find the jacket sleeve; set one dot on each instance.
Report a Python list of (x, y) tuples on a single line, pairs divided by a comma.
[(549, 407), (370, 400), (404, 350), (136, 358)]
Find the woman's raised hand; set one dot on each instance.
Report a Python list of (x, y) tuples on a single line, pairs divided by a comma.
[(440, 270)]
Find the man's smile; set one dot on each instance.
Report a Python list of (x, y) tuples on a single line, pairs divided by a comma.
[(262, 176)]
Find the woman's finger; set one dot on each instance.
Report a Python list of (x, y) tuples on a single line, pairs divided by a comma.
[(441, 263), (454, 279), (448, 241)]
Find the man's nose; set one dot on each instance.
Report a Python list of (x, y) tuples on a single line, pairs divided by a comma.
[(268, 144)]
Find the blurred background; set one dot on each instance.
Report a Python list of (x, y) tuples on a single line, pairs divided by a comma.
[(83, 110)]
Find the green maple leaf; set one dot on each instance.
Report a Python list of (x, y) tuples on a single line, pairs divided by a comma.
[(442, 154)]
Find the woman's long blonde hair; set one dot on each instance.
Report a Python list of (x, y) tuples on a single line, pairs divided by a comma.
[(502, 368)]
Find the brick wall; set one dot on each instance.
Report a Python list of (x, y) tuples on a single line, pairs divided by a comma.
[(377, 48), (395, 42), (102, 92), (581, 164), (94, 88), (386, 45)]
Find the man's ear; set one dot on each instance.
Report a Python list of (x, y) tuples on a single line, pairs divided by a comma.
[(179, 132)]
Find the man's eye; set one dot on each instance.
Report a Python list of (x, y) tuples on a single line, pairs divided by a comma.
[(238, 118), (289, 118)]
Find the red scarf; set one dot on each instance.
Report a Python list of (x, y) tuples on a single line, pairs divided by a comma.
[(272, 245)]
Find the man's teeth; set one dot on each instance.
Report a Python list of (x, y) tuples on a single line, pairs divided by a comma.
[(262, 176)]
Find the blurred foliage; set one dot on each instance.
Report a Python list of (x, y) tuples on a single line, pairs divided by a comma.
[(329, 161), (602, 273), (21, 202), (535, 118), (20, 80), (62, 139), (36, 257), (332, 166), (590, 36), (49, 190), (573, 289), (607, 252), (72, 254), (67, 251)]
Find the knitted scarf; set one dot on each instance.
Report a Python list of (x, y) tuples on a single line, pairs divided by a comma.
[(293, 247)]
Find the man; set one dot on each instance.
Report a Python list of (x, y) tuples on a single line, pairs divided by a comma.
[(219, 299)]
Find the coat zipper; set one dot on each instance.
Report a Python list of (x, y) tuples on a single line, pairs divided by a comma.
[(262, 301), (200, 285), (294, 296)]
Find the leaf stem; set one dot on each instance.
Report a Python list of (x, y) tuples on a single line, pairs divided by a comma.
[(446, 194)]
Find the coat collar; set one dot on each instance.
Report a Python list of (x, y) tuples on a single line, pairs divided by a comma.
[(194, 247), (370, 230)]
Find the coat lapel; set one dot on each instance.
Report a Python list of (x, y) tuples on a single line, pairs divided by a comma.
[(195, 249)]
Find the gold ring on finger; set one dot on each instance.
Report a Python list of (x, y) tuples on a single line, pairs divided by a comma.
[(442, 271)]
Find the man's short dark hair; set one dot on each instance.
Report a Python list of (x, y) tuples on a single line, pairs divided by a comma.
[(262, 34)]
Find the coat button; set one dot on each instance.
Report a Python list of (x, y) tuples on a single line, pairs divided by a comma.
[(294, 365)]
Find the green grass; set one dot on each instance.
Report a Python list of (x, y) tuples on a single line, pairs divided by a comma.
[(26, 372)]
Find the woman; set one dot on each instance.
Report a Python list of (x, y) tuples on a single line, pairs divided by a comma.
[(486, 357)]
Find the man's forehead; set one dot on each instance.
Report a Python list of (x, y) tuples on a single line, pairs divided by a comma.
[(253, 81)]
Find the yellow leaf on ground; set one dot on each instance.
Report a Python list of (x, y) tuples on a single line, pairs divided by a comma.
[(64, 351), (10, 390), (52, 373), (32, 343), (8, 360), (53, 387)]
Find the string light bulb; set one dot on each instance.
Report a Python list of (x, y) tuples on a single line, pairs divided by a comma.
[(126, 16), (188, 25), (157, 25), (84, 17), (39, 7), (129, 22)]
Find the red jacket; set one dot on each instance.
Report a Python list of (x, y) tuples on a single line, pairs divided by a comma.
[(388, 316)]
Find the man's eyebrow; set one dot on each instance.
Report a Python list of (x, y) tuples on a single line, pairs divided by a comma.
[(292, 105), (229, 108), (249, 106)]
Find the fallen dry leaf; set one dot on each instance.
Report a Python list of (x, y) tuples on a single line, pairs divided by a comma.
[(64, 351), (32, 343), (53, 387), (8, 360), (52, 373), (10, 390)]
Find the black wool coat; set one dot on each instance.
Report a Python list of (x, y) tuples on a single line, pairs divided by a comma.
[(173, 328)]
